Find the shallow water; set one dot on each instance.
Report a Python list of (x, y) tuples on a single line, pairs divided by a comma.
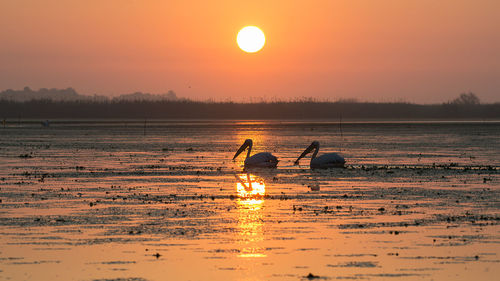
[(125, 200)]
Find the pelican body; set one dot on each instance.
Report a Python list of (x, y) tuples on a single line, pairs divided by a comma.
[(324, 161), (259, 160)]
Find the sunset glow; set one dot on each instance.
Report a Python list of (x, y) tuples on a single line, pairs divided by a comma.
[(416, 51)]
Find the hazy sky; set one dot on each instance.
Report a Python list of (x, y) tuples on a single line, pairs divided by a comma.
[(401, 50)]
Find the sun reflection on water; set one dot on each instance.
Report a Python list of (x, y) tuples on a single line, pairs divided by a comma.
[(251, 191)]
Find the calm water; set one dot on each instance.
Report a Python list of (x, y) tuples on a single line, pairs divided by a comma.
[(126, 200)]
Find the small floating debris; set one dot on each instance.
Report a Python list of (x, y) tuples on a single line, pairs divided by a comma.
[(26, 155), (311, 276)]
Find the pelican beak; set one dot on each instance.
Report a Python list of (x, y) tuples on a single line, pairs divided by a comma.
[(307, 151), (240, 150)]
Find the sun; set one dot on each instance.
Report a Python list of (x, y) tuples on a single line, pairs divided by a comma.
[(251, 39)]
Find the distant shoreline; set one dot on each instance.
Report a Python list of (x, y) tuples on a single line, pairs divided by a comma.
[(191, 110), (176, 121)]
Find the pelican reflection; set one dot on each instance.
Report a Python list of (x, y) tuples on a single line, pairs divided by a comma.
[(251, 191), (249, 186)]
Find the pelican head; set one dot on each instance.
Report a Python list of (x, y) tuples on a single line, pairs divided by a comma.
[(247, 143), (314, 145)]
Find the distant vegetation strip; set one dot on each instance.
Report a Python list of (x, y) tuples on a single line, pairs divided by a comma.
[(69, 94), (67, 103), (186, 109)]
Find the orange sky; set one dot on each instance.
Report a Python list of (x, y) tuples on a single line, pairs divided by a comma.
[(401, 50)]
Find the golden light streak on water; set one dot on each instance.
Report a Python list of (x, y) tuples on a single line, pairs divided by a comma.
[(251, 190)]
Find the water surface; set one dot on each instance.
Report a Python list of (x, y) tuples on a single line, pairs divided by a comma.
[(162, 200)]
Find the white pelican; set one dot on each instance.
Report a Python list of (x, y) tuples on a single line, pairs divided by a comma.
[(259, 160), (325, 161)]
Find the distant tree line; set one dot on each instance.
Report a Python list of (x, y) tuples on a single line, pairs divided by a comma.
[(466, 106), (67, 103), (69, 94), (466, 99)]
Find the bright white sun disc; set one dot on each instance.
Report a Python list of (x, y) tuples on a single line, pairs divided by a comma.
[(251, 39)]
